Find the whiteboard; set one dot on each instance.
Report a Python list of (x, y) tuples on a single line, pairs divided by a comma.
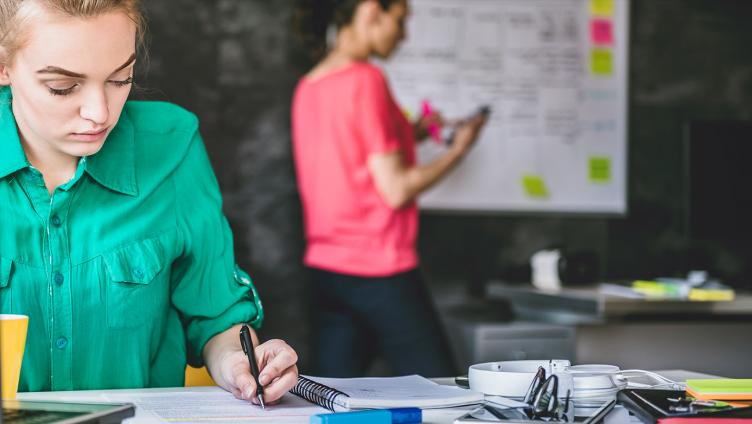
[(555, 75)]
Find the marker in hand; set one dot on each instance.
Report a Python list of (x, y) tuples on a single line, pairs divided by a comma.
[(434, 128), (247, 343)]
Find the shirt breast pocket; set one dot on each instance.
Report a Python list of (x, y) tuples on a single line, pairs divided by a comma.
[(136, 284), (6, 265)]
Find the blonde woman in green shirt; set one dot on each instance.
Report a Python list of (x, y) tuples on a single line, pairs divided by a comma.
[(112, 237)]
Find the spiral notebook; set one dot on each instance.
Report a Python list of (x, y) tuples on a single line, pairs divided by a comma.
[(343, 394)]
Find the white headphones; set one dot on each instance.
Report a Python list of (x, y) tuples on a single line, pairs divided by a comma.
[(588, 383), (510, 379)]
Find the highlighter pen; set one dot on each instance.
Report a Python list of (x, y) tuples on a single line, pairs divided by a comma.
[(247, 344), (371, 416), (434, 130)]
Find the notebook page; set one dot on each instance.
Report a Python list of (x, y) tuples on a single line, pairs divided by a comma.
[(394, 392), (211, 404)]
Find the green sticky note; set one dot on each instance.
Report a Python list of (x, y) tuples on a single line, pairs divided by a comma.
[(535, 186), (602, 62), (731, 386), (602, 7), (600, 170)]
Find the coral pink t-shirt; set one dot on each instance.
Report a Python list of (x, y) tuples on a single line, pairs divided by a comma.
[(339, 120)]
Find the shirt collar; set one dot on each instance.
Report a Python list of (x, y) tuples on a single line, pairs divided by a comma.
[(12, 156), (114, 166)]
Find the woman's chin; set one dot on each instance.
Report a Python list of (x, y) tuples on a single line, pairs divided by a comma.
[(82, 149)]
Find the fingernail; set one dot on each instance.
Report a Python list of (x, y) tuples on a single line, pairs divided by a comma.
[(264, 379), (248, 393)]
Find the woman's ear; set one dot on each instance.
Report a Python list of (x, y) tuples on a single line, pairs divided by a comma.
[(4, 74), (4, 77), (368, 12)]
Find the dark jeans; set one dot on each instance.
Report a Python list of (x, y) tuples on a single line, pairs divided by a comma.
[(357, 318)]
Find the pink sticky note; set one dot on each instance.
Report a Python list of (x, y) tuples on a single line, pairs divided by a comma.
[(602, 32)]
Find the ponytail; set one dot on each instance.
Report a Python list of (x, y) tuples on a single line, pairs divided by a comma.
[(314, 18)]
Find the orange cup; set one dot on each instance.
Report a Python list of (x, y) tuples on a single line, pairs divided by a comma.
[(12, 341)]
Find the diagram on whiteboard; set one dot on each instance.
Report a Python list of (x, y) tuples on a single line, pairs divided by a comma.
[(554, 73)]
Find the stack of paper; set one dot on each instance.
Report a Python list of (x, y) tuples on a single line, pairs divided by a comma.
[(682, 289), (720, 389)]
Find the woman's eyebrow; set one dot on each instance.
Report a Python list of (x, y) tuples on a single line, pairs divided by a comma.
[(61, 71), (126, 64)]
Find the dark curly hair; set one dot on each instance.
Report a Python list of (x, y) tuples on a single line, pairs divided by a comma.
[(314, 17)]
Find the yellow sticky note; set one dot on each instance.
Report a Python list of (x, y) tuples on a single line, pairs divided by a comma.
[(600, 170), (535, 186), (602, 62), (602, 7)]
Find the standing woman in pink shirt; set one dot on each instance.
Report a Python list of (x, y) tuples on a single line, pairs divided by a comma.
[(358, 179)]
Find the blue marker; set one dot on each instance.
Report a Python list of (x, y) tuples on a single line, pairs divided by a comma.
[(371, 416)]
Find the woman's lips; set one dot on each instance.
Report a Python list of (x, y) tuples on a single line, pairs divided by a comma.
[(90, 136)]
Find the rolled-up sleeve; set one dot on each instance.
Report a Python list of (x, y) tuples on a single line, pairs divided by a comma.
[(210, 292)]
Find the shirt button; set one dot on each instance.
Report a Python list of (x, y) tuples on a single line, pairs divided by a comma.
[(138, 273), (56, 221), (58, 278), (61, 343)]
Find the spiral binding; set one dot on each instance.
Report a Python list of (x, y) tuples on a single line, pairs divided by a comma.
[(317, 393)]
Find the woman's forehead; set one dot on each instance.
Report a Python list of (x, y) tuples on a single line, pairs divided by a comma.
[(90, 45)]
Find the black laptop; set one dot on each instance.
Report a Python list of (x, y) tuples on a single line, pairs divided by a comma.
[(28, 412)]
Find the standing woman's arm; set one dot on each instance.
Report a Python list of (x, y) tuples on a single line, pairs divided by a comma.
[(399, 184)]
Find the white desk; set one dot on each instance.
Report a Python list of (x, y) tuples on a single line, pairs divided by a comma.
[(434, 416), (151, 414)]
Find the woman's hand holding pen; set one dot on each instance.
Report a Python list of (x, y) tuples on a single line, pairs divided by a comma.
[(279, 372), (467, 133), (423, 126), (230, 369)]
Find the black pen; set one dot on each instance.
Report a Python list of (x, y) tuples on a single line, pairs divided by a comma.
[(247, 343)]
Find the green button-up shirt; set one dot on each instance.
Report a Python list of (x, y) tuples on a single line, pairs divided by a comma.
[(127, 270)]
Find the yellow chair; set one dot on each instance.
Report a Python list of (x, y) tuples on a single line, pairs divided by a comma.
[(197, 377)]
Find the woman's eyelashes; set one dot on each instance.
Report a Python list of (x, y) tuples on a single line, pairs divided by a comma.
[(63, 91), (69, 90), (124, 82)]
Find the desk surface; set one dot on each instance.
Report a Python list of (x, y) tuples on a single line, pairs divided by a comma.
[(589, 305), (436, 416)]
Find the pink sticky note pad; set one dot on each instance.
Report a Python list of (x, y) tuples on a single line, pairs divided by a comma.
[(602, 32)]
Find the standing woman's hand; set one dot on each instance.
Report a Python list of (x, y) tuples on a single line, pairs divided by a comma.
[(467, 134), (422, 126)]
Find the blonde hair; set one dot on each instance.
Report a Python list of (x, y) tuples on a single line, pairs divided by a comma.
[(15, 15)]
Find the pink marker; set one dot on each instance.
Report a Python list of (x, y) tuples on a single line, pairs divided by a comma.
[(434, 129)]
